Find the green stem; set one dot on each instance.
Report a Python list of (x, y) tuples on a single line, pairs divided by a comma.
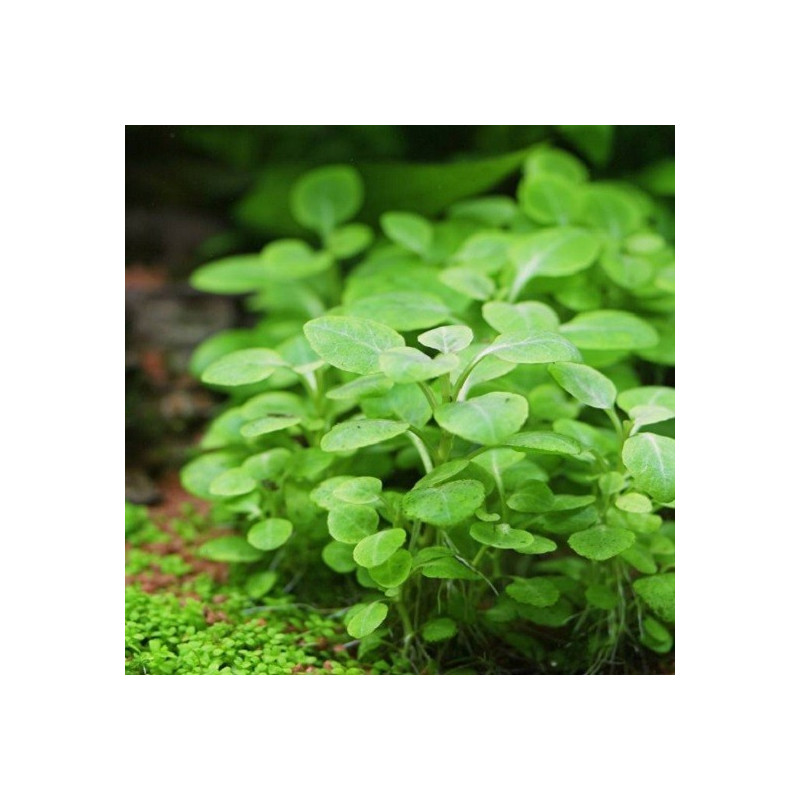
[(429, 395), (416, 440)]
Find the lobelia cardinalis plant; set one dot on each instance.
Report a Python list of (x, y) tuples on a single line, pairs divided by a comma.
[(469, 416)]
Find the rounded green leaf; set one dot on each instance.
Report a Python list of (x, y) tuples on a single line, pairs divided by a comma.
[(401, 311), (533, 347), (198, 475), (232, 483), (663, 396), (326, 197), (409, 365), (488, 419), (612, 210), (502, 536), (552, 253), (658, 591), (410, 231), (406, 401), (351, 344), (357, 433), (532, 497), (447, 338), (268, 466), (544, 442), (260, 583), (366, 386), (270, 534), (601, 542), (468, 282), (231, 275), (293, 260), (584, 383), (610, 330), (373, 550), (552, 161), (349, 524), (634, 503), (442, 473), (349, 240), (493, 211), (549, 199), (539, 592), (538, 546), (339, 557), (250, 365), (438, 630), (264, 425), (520, 317), (365, 621), (394, 571), (629, 272), (359, 491), (601, 596), (449, 568), (650, 459), (649, 415), (444, 505), (230, 550)]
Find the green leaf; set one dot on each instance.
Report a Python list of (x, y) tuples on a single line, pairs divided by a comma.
[(532, 497), (445, 505), (601, 596), (447, 338), (326, 197), (438, 630), (268, 466), (629, 272), (365, 386), (198, 475), (552, 253), (231, 483), (658, 591), (339, 557), (609, 330), (502, 536), (442, 473), (551, 161), (544, 442), (374, 550), (468, 282), (533, 347), (270, 534), (647, 396), (488, 419), (539, 592), (650, 458), (267, 425), (230, 550), (538, 546), (359, 491), (649, 415), (409, 365), (549, 199), (251, 365), (394, 571), (293, 260), (640, 560), (367, 620), (634, 503), (349, 240), (231, 275), (601, 542), (350, 524), (612, 210), (357, 433), (449, 568), (402, 311), (584, 383), (485, 252), (353, 345), (520, 317), (493, 211), (260, 583), (405, 401), (409, 230)]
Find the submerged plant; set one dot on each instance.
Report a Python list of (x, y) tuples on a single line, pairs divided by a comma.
[(470, 416)]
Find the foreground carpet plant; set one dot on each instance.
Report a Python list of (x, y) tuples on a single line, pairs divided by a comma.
[(468, 421)]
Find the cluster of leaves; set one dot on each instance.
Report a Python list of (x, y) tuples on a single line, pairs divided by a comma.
[(469, 414)]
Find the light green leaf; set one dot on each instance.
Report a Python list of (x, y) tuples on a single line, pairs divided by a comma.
[(601, 596), (640, 560), (356, 433), (493, 211), (551, 253), (468, 282), (365, 386), (601, 542), (584, 383), (538, 546), (533, 347), (198, 475), (409, 230), (232, 483), (359, 491), (610, 330), (409, 365), (442, 473), (230, 550), (447, 338), (394, 571), (551, 161), (326, 197), (449, 568), (539, 592), (268, 466), (349, 240), (260, 583), (650, 458), (349, 524), (267, 425), (405, 401), (269, 534), (339, 557), (402, 311), (649, 415), (520, 317), (501, 536), (485, 252), (367, 620), (488, 419), (438, 630), (544, 442), (293, 260), (612, 210), (658, 591), (445, 505), (532, 497), (647, 396), (231, 275), (629, 272), (250, 365), (549, 199), (323, 493), (353, 345), (374, 550)]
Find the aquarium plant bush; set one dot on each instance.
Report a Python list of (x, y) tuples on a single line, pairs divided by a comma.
[(468, 420)]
